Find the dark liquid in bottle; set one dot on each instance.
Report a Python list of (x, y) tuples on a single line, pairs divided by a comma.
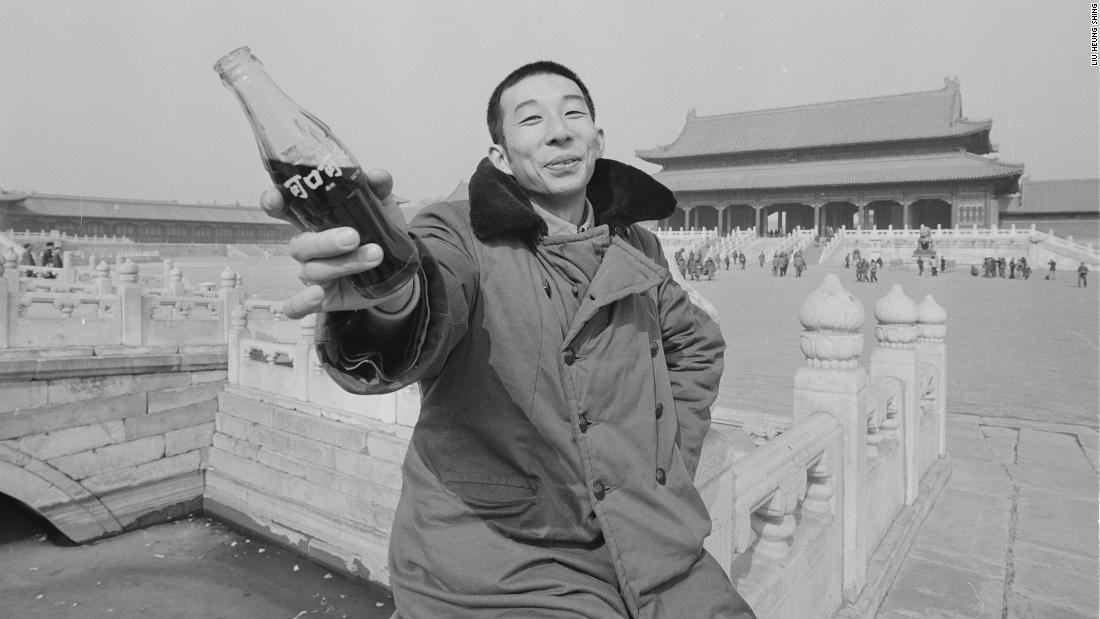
[(323, 198)]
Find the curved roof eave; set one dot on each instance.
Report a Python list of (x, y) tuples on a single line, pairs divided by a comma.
[(657, 155)]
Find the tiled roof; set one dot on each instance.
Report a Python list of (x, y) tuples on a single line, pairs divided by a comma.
[(913, 116), (938, 167), (120, 208), (1053, 196)]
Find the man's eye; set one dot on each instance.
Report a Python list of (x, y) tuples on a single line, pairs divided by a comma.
[(529, 119), (576, 113)]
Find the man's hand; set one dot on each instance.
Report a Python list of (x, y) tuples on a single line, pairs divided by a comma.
[(326, 257)]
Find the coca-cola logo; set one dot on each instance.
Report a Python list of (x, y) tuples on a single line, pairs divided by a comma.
[(298, 184)]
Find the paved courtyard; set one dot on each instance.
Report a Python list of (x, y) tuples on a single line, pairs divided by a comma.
[(1013, 535)]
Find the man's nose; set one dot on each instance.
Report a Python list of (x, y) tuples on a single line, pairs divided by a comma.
[(557, 131)]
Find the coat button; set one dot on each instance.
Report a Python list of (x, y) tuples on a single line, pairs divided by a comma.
[(661, 476), (659, 410), (599, 491), (569, 356), (653, 348), (584, 423)]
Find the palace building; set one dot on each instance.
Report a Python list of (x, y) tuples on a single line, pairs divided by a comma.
[(142, 221), (895, 161)]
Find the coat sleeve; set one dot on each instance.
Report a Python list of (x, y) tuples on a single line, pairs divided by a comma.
[(694, 349), (364, 358)]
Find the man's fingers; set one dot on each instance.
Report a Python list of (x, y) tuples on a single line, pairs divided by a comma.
[(321, 270), (307, 301), (325, 244)]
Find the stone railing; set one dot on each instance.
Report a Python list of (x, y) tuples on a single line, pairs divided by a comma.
[(37, 312), (27, 236), (962, 244), (807, 511), (814, 521)]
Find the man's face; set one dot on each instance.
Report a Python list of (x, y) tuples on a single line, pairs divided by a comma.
[(551, 142)]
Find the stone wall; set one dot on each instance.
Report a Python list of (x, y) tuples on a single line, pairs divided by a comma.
[(103, 441), (322, 481)]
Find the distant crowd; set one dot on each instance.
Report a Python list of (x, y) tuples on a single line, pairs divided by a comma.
[(50, 256), (1018, 268), (697, 266)]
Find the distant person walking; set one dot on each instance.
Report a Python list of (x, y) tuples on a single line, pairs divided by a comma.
[(920, 266), (1050, 273), (1083, 276), (26, 258)]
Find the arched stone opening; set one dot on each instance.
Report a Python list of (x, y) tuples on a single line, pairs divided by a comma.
[(65, 504), (883, 214), (839, 215), (781, 219), (930, 213), (19, 522)]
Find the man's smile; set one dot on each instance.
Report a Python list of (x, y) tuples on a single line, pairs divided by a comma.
[(564, 164)]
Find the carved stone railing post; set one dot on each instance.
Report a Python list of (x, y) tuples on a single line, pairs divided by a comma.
[(301, 360), (11, 264), (166, 277), (896, 357), (9, 299), (101, 278), (238, 330), (229, 297), (68, 268), (130, 298), (174, 285), (832, 382), (932, 351)]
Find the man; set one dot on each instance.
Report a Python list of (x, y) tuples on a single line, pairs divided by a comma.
[(566, 379), (1052, 264), (1083, 276), (26, 258), (50, 256)]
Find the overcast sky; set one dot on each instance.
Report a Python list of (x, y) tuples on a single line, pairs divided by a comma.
[(118, 99)]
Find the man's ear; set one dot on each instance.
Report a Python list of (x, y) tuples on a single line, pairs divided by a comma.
[(599, 142), (499, 158)]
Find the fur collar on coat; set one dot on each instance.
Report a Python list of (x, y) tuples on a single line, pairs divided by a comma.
[(620, 194)]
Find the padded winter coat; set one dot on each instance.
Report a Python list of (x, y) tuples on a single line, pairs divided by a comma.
[(566, 386)]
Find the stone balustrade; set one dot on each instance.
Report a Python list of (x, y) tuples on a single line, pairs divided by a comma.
[(810, 513), (962, 244), (37, 312), (799, 506)]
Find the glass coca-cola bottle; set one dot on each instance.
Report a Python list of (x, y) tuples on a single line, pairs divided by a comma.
[(323, 185)]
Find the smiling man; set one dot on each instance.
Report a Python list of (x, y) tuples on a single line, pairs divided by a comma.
[(566, 379)]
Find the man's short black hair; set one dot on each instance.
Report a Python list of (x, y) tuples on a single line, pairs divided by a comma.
[(493, 115)]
